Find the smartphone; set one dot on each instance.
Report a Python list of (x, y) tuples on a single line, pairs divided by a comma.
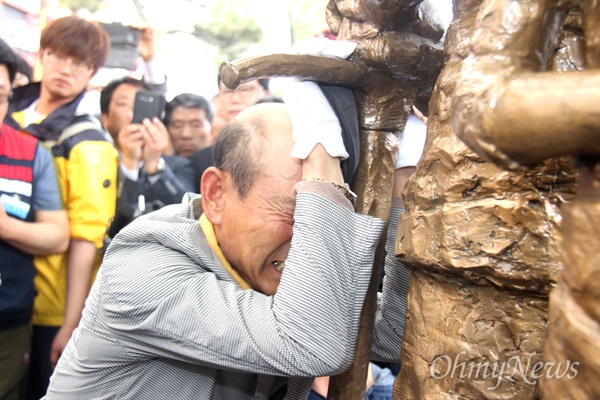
[(148, 105)]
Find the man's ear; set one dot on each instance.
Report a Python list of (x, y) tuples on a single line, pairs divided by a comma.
[(104, 120), (212, 186)]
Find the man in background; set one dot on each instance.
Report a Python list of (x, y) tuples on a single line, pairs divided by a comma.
[(251, 290), (148, 178), (188, 118), (229, 103), (71, 52)]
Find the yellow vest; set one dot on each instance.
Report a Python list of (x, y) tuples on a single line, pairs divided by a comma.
[(87, 176)]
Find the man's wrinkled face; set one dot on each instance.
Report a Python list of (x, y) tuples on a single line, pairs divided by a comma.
[(256, 232), (189, 129), (64, 77), (260, 226), (120, 109), (233, 102)]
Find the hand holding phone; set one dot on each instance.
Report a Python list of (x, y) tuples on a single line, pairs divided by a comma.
[(148, 105)]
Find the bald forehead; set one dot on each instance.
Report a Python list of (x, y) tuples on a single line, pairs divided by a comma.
[(273, 118), (270, 113), (275, 139)]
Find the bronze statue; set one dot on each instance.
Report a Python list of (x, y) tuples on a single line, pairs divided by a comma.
[(544, 69), (485, 221)]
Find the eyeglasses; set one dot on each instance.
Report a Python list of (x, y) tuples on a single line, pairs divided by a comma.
[(5, 98), (77, 67), (243, 91)]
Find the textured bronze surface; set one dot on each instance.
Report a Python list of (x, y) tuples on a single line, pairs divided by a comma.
[(481, 239), (581, 255), (510, 110), (462, 327), (469, 217), (497, 105), (321, 68), (572, 350), (574, 320)]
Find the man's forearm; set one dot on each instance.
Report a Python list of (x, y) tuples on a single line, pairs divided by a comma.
[(319, 164), (48, 236), (390, 321), (80, 265)]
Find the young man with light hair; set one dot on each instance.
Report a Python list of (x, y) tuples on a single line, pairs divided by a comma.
[(71, 52)]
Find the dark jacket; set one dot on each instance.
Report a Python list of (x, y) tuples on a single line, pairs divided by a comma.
[(176, 179), (201, 160), (167, 188)]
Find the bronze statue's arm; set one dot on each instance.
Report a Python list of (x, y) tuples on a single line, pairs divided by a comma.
[(507, 111), (314, 67)]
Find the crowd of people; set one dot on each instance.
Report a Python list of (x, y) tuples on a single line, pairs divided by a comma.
[(213, 252)]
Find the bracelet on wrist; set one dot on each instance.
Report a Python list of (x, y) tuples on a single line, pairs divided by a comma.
[(345, 190)]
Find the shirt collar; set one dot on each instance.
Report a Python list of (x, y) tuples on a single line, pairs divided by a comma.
[(211, 238)]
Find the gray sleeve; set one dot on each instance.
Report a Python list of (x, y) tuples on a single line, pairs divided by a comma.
[(308, 328), (390, 319), (46, 193)]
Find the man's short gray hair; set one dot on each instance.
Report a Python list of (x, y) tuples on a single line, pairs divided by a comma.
[(237, 152)]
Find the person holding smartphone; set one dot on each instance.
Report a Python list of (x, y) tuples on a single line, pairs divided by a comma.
[(148, 178)]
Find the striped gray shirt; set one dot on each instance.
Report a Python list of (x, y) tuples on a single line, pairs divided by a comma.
[(164, 320)]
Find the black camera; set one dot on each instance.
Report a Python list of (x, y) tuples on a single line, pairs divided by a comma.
[(123, 46)]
